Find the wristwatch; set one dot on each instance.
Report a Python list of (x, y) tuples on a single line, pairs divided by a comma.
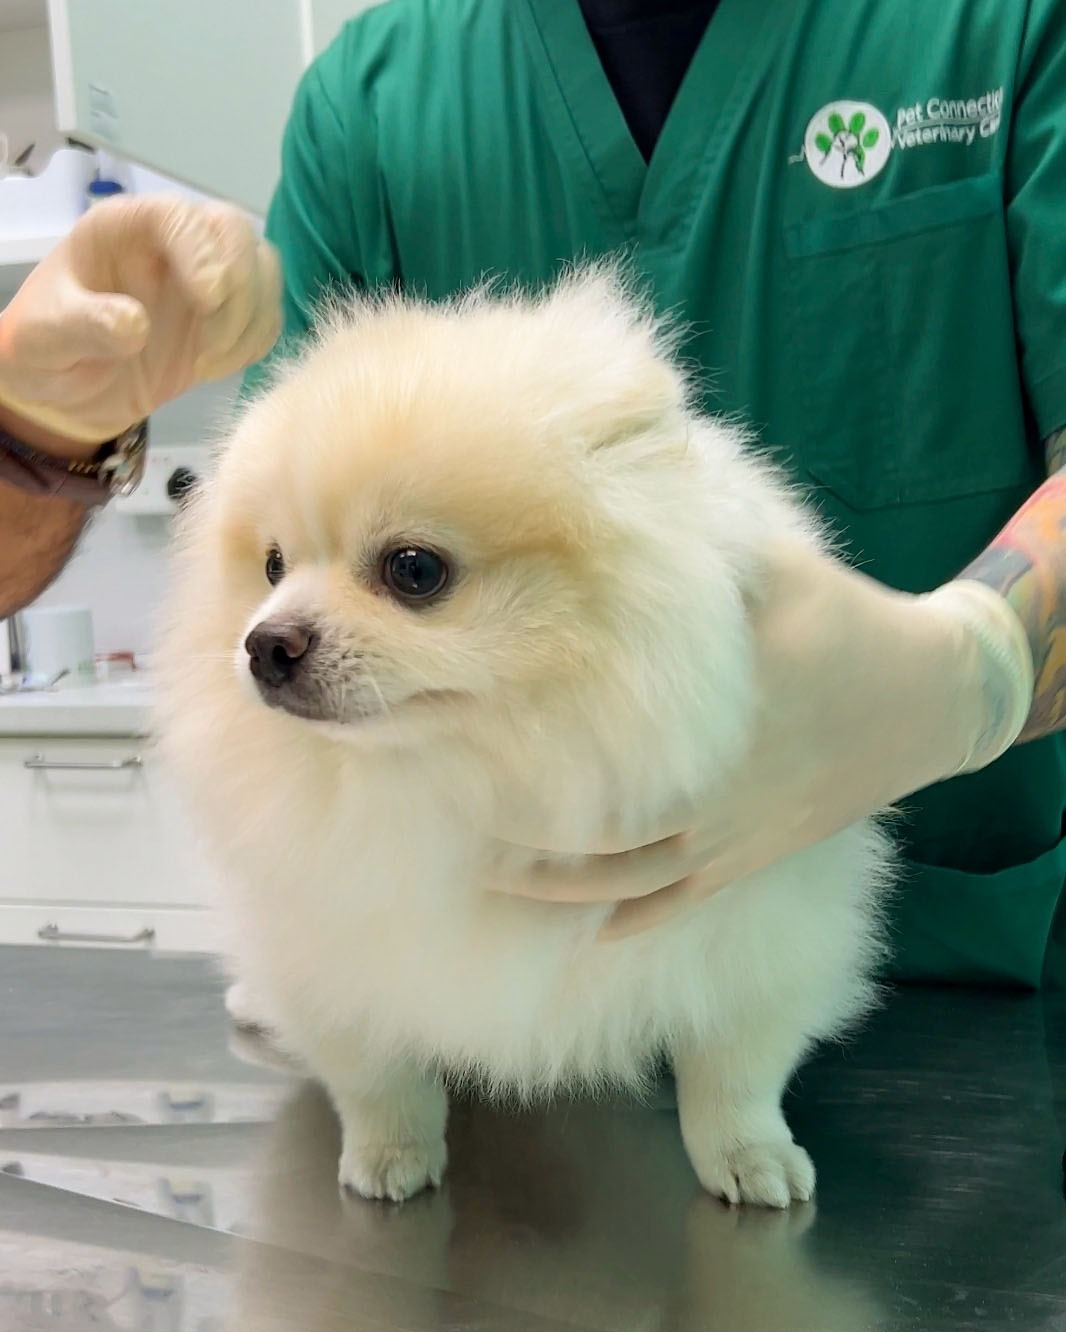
[(115, 469)]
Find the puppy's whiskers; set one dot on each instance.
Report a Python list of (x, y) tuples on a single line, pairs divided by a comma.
[(386, 711)]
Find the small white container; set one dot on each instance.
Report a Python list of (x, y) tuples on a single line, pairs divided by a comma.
[(58, 641)]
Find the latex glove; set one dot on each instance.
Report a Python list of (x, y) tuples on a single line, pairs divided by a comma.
[(144, 298), (866, 696)]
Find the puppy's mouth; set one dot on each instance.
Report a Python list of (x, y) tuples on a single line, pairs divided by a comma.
[(314, 706), (288, 700)]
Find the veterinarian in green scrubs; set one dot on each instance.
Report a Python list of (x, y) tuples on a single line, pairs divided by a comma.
[(858, 207)]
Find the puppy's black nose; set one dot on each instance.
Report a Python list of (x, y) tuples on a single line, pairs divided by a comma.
[(276, 649)]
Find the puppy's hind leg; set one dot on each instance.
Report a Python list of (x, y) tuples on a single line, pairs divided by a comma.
[(729, 1100)]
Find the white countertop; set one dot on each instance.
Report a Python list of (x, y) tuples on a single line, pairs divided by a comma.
[(110, 707)]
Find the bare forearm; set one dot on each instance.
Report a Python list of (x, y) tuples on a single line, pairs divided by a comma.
[(37, 536), (37, 533), (1026, 563)]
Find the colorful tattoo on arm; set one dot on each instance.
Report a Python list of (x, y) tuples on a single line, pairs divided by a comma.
[(1026, 563)]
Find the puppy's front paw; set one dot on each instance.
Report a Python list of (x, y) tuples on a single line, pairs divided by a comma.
[(395, 1170), (770, 1174)]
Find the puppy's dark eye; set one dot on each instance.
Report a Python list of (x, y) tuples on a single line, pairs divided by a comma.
[(275, 566), (414, 574)]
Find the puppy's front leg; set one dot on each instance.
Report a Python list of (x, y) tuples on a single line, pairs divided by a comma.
[(729, 1100), (245, 1010), (392, 1124)]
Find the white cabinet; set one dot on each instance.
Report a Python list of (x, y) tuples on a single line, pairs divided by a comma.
[(151, 929), (95, 821), (199, 91), (94, 848)]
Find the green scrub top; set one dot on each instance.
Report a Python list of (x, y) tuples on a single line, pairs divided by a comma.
[(859, 207)]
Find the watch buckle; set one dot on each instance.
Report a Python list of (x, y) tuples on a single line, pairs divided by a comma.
[(121, 473)]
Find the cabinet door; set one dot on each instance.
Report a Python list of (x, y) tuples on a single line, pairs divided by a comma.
[(94, 821), (198, 90)]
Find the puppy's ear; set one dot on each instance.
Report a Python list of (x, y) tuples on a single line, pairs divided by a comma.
[(623, 378)]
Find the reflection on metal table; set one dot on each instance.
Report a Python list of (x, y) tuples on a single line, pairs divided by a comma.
[(158, 1175)]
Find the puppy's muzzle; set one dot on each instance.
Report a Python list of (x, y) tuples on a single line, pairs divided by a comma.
[(279, 652)]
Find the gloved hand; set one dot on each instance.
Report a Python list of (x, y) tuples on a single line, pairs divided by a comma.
[(866, 696), (144, 298)]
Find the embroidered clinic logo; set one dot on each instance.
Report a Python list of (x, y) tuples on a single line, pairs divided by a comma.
[(847, 144)]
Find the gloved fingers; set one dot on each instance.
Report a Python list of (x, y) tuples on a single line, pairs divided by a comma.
[(244, 330), (644, 913), (72, 325), (626, 874), (209, 248)]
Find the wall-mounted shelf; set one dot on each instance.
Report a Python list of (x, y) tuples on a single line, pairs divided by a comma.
[(55, 201), (22, 251), (36, 212)]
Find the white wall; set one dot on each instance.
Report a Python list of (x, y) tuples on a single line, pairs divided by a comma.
[(26, 110), (23, 13), (329, 16)]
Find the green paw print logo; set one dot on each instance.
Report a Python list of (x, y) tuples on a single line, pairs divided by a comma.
[(847, 144), (850, 140)]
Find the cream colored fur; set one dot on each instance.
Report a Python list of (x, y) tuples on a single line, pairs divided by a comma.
[(587, 672)]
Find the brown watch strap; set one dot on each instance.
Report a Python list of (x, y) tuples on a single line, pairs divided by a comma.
[(88, 484)]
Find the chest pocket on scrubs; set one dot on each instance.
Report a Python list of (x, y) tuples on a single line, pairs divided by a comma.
[(902, 349)]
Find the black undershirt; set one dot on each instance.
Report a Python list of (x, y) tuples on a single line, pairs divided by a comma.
[(645, 47)]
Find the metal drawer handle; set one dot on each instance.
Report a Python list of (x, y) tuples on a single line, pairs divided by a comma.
[(182, 1106), (53, 934), (38, 763)]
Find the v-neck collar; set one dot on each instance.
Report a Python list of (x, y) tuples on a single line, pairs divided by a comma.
[(571, 71), (734, 50)]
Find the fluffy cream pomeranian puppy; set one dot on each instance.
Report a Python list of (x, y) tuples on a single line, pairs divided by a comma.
[(472, 575)]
